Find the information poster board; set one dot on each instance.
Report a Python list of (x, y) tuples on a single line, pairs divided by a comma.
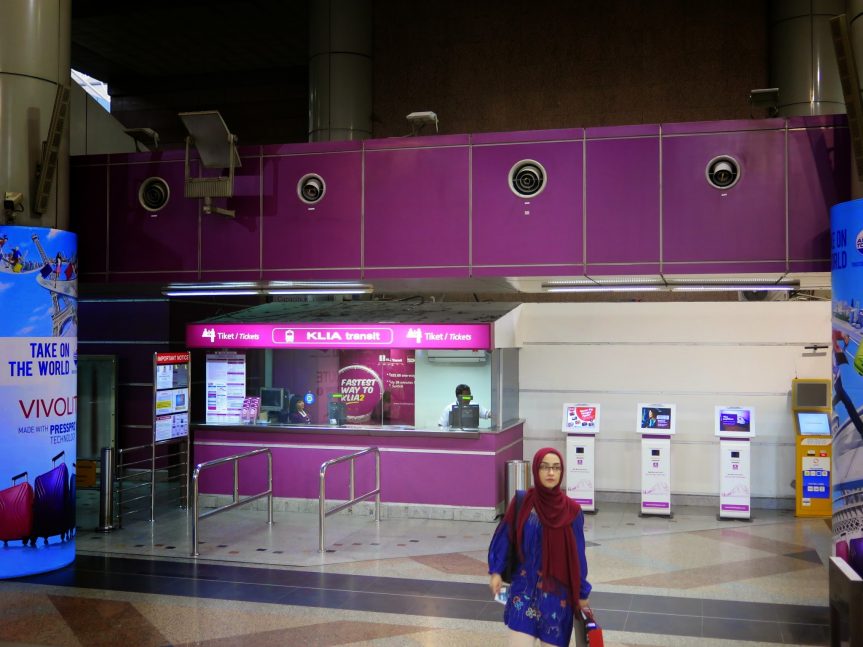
[(225, 387), (171, 395)]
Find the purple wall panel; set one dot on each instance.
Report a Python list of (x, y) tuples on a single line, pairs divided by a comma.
[(140, 241), (88, 208), (819, 176), (623, 205), (416, 207), (545, 229), (326, 234), (743, 223), (234, 243), (528, 136)]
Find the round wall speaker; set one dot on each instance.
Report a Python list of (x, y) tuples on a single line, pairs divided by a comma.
[(154, 193)]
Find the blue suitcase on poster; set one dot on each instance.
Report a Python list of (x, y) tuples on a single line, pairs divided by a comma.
[(70, 507), (50, 502)]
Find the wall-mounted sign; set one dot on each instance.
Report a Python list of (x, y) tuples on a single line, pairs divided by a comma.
[(260, 335)]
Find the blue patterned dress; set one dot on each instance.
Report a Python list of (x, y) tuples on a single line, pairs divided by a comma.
[(543, 614)]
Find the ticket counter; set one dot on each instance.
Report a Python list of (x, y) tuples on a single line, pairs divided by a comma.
[(393, 366)]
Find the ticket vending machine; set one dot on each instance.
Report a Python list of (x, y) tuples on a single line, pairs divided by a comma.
[(811, 401), (581, 424), (813, 464), (656, 424), (734, 426)]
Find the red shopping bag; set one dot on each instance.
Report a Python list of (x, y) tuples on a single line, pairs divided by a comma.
[(592, 630)]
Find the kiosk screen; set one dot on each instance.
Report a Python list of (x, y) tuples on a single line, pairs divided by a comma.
[(735, 420), (813, 423), (658, 418)]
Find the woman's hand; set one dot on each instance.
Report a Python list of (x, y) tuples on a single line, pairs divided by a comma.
[(494, 583), (583, 604)]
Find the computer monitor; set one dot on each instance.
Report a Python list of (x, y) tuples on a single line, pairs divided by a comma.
[(813, 423), (811, 394), (272, 398), (464, 417)]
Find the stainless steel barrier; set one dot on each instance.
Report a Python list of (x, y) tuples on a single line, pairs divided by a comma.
[(200, 467), (322, 513), (106, 492), (133, 475)]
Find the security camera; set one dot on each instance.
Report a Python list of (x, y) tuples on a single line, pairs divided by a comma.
[(418, 120), (13, 201)]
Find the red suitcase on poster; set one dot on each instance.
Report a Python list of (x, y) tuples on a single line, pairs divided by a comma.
[(16, 511), (49, 504)]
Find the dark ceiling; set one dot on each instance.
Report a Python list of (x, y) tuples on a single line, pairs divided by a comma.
[(248, 59)]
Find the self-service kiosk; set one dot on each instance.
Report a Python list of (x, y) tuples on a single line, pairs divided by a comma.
[(581, 424), (734, 426), (811, 401), (656, 424)]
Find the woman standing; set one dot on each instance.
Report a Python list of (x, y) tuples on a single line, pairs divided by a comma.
[(550, 584)]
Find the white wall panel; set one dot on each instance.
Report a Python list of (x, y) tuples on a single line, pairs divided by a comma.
[(694, 355)]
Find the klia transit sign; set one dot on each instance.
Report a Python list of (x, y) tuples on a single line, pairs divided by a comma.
[(285, 335)]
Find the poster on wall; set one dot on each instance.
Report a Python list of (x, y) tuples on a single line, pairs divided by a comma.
[(582, 418), (38, 398), (225, 387), (847, 419), (377, 386), (171, 395)]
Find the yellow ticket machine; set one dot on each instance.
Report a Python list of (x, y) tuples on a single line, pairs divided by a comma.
[(810, 402)]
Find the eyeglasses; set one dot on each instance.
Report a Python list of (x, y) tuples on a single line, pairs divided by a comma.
[(544, 467)]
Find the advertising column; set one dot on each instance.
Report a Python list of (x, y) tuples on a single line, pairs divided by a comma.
[(846, 222), (38, 398)]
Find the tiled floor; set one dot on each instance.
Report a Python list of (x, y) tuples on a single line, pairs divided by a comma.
[(682, 581)]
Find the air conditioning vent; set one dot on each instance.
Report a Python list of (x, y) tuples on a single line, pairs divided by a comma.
[(311, 188), (457, 356), (153, 194), (722, 172), (527, 178)]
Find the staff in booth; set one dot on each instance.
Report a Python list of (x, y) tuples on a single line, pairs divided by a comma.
[(298, 414)]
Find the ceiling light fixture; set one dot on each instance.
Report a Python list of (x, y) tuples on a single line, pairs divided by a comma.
[(264, 288)]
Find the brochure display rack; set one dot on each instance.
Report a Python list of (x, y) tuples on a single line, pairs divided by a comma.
[(656, 424), (734, 426), (581, 424)]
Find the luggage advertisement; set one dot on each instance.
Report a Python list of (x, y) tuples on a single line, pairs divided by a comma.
[(38, 398), (846, 240)]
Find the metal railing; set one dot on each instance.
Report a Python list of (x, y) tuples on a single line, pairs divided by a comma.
[(323, 513), (200, 467), (133, 475)]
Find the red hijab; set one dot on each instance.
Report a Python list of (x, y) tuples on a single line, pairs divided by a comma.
[(556, 512)]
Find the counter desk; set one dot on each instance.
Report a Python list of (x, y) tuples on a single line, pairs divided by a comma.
[(425, 473)]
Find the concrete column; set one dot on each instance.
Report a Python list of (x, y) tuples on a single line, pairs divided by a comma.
[(340, 70), (802, 59), (35, 40)]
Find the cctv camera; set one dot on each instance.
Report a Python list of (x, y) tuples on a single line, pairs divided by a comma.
[(13, 201)]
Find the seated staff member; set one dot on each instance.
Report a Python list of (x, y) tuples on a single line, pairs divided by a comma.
[(460, 390), (298, 414)]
